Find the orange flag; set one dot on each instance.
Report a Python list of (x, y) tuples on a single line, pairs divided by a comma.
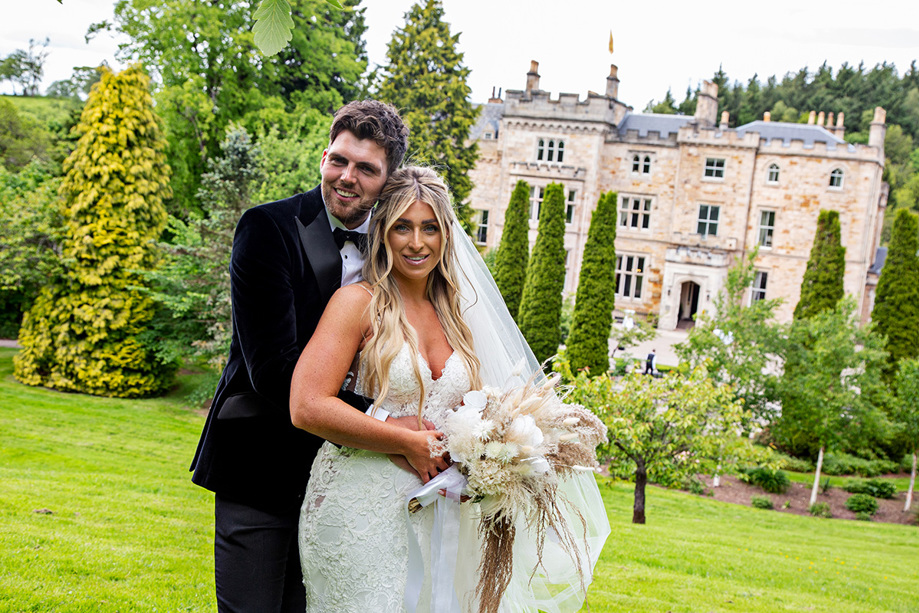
[(610, 41)]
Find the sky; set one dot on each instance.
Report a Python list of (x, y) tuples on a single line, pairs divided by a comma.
[(658, 45)]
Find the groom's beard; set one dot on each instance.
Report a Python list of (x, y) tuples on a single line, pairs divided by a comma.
[(351, 214)]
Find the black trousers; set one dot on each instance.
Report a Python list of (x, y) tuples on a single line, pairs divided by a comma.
[(256, 561)]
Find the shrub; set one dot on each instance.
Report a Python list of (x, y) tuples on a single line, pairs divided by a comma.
[(862, 503), (845, 464), (873, 487), (798, 465), (863, 516), (772, 481), (694, 485), (761, 502), (820, 509)]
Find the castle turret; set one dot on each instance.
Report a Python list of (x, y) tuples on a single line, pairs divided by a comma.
[(533, 78), (612, 82), (707, 104)]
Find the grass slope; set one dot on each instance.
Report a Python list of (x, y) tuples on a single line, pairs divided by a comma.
[(47, 111), (129, 532)]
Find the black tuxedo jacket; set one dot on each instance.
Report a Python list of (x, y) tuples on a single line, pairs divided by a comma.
[(283, 270)]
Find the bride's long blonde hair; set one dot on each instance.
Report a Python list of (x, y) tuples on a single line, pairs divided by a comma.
[(389, 325)]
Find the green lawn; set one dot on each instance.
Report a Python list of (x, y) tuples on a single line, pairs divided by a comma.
[(129, 532)]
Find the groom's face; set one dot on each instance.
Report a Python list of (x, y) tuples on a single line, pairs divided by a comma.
[(353, 173)]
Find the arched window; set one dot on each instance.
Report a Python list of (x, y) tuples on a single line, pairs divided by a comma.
[(561, 150), (836, 178), (646, 168), (550, 151), (636, 163), (772, 177), (540, 146)]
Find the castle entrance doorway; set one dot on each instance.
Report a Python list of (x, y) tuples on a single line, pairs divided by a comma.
[(689, 305)]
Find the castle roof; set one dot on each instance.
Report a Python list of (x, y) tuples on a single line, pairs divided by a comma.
[(787, 132), (488, 121), (653, 122), (880, 257)]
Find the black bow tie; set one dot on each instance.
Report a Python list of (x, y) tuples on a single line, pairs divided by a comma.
[(341, 236)]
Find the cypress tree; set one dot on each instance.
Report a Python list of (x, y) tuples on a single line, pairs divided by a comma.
[(822, 286), (514, 250), (86, 330), (588, 344), (896, 307), (426, 80), (541, 303)]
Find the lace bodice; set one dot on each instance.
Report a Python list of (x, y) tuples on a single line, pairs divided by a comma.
[(443, 394)]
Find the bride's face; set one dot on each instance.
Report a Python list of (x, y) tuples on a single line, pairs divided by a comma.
[(415, 239)]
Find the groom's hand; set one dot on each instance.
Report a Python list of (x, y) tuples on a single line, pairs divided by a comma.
[(410, 423)]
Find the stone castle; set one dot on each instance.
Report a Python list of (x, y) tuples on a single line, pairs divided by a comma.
[(694, 194)]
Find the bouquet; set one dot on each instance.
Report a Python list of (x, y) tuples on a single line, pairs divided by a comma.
[(512, 446)]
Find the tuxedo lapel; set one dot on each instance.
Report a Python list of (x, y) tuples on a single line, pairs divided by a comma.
[(321, 253)]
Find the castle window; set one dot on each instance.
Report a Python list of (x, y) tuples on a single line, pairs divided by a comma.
[(635, 213), (630, 273), (488, 135), (481, 232), (641, 164), (759, 286), (714, 168), (550, 150), (536, 194), (772, 176), (708, 220), (766, 228), (569, 209), (836, 178)]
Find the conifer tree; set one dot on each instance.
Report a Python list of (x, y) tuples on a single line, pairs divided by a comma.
[(541, 303), (514, 250), (896, 307), (588, 344), (86, 330), (426, 80), (822, 286)]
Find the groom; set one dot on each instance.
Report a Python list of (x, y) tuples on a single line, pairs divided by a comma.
[(288, 259)]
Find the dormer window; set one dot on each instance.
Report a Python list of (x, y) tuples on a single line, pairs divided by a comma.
[(772, 174), (550, 150), (836, 178)]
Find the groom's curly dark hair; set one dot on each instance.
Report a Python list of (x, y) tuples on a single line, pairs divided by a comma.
[(378, 121)]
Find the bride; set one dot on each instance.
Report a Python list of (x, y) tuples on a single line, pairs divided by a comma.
[(427, 325)]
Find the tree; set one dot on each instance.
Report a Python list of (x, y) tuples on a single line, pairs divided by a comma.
[(514, 250), (738, 343), (663, 429), (209, 73), (26, 67), (22, 139), (838, 390), (896, 306), (588, 344), (539, 317), (906, 414), (193, 284), (426, 80), (85, 331), (822, 286)]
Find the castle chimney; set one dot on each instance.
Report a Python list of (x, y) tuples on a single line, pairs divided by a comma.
[(494, 99), (767, 116), (725, 116), (812, 118), (840, 125), (612, 82), (707, 104), (878, 128), (829, 121), (533, 77), (820, 118)]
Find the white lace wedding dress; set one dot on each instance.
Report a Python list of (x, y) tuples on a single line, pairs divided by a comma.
[(354, 540), (353, 534)]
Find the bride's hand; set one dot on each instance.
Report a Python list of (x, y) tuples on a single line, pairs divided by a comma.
[(419, 455)]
